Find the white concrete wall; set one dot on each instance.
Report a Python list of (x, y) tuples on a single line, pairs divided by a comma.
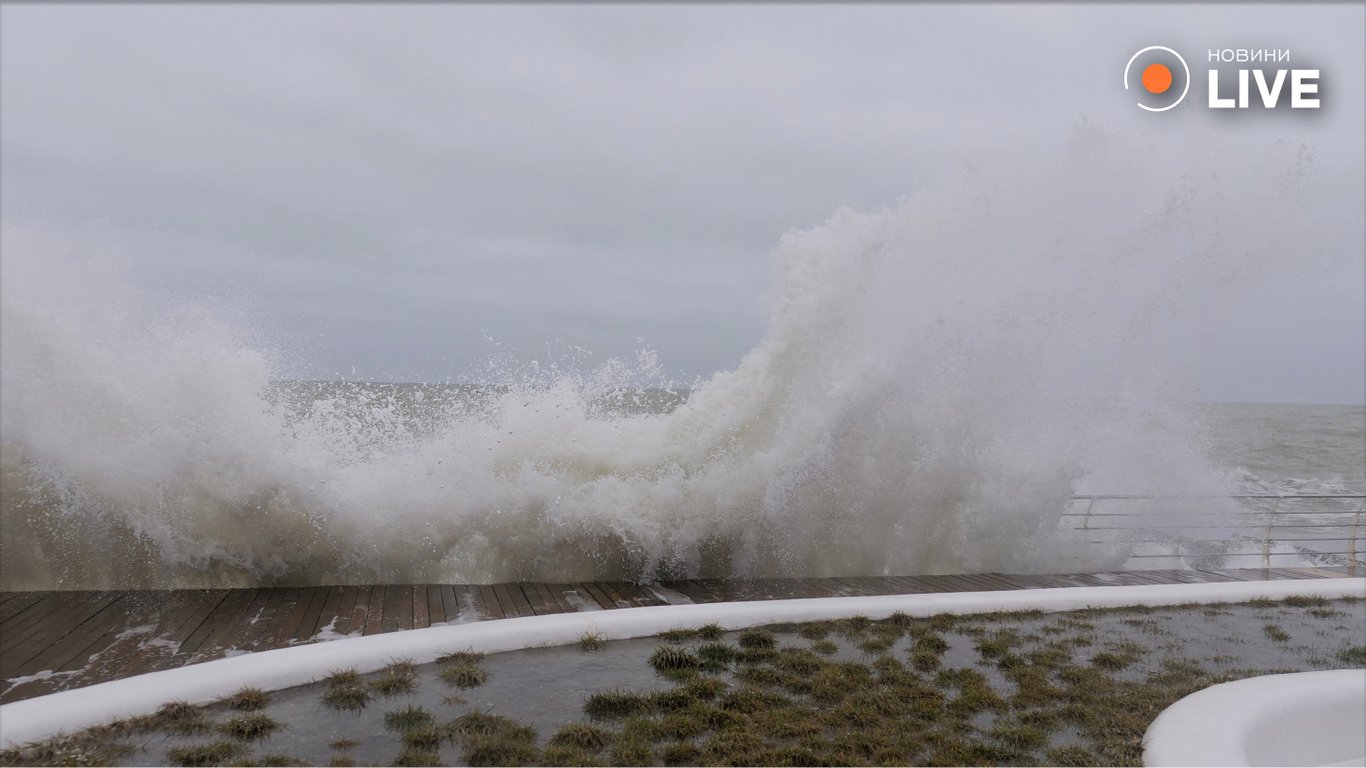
[(1306, 718)]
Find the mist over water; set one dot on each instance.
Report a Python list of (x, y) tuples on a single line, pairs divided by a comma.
[(937, 379)]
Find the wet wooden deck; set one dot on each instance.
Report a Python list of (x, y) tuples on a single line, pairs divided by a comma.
[(51, 641)]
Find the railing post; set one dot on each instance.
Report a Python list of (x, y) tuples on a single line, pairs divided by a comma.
[(1266, 535), (1352, 544)]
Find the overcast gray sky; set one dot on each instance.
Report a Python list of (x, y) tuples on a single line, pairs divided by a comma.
[(378, 188)]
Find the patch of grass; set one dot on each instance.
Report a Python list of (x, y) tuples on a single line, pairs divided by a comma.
[(704, 688), (748, 699), (901, 620), (463, 675), (394, 683), (825, 647), (343, 745), (1274, 632), (757, 640), (412, 756), (1306, 601), (932, 642), (998, 644), (342, 677), (341, 761), (679, 753), (759, 675), (566, 756), (592, 641), (180, 717), (1072, 755), (1019, 735), (632, 751), (473, 724), (346, 697), (217, 753), (466, 656), (1354, 655), (79, 749), (589, 738), (798, 661), (816, 630), (710, 632), (1112, 661), (423, 737), (250, 727), (756, 655), (409, 717), (667, 657), (925, 660), (677, 636), (247, 699), (716, 655), (615, 704), (733, 748), (279, 760)]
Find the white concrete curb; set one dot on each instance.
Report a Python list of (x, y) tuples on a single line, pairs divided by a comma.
[(1305, 718), (39, 718)]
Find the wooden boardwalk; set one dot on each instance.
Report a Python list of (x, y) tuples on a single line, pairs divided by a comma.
[(51, 641)]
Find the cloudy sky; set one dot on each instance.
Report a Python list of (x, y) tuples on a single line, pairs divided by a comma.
[(382, 189)]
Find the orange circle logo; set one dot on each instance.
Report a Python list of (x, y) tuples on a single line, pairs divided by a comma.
[(1157, 78), (1161, 77)]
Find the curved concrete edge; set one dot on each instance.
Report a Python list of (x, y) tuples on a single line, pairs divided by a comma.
[(1303, 718), (45, 716)]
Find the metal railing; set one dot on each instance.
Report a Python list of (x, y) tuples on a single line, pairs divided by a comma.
[(1240, 530)]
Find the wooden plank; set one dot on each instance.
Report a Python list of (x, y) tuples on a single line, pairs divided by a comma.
[(487, 602), (450, 603), (405, 607), (591, 591), (688, 589), (389, 620), (514, 603), (1245, 574), (466, 604), (225, 623), (567, 598), (346, 603), (906, 585), (613, 593), (421, 612), (22, 659), (199, 606), (331, 612), (37, 625), (71, 644), (360, 613), (436, 610), (183, 612), (635, 595), (282, 604), (540, 605), (500, 592), (21, 602), (545, 598), (310, 617)]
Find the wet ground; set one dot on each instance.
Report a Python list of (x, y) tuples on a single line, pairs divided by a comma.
[(1074, 688)]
